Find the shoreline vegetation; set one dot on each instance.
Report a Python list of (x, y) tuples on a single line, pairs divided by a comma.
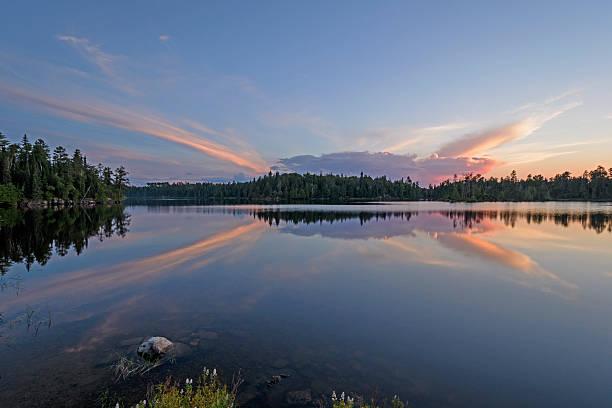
[(33, 177), (209, 391), (594, 185)]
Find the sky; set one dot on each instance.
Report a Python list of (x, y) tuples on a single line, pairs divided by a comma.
[(228, 90)]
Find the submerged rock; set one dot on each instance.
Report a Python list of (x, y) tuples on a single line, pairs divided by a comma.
[(276, 379), (301, 397), (154, 348)]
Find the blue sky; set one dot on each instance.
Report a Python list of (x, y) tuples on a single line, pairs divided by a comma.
[(226, 90)]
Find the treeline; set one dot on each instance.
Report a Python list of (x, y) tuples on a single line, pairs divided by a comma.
[(287, 188), (31, 172), (593, 185)]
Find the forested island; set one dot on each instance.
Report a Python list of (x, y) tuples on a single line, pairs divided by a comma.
[(32, 176), (595, 185)]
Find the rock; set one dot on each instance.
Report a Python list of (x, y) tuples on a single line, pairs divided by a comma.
[(276, 379), (301, 397), (154, 348)]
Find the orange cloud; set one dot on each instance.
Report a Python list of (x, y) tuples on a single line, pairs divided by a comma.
[(122, 118), (474, 144)]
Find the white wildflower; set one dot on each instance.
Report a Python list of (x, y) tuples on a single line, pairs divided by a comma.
[(342, 396), (117, 405), (214, 372), (333, 395)]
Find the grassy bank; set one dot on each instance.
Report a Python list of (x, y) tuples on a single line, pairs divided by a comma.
[(208, 391)]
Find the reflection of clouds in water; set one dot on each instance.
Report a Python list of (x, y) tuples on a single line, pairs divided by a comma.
[(100, 281), (534, 275), (419, 255), (112, 325), (455, 230)]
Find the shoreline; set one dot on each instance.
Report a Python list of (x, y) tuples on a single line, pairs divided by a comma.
[(233, 200), (59, 203)]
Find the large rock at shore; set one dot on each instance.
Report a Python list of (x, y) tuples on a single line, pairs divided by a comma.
[(154, 347)]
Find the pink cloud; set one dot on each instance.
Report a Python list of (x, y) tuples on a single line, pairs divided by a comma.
[(395, 166), (123, 118), (476, 143)]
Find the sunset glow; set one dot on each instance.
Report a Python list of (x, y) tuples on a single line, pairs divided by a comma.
[(194, 99)]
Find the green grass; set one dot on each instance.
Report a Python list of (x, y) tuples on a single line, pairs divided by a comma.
[(204, 392), (343, 401), (209, 392)]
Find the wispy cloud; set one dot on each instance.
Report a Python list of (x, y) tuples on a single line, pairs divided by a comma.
[(312, 123), (459, 156), (473, 144), (202, 128), (92, 53), (405, 137), (128, 119), (537, 151), (478, 143), (530, 106), (103, 61)]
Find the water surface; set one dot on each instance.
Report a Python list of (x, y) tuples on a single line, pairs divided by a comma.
[(445, 305)]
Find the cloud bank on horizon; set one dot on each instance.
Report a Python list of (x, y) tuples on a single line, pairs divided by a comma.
[(170, 106), (395, 166), (457, 157)]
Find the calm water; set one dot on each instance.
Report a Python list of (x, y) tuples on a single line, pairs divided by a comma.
[(446, 305)]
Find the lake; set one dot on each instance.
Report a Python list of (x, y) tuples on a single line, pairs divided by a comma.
[(445, 305)]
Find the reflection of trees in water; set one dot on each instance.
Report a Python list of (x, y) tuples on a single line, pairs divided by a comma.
[(312, 217), (597, 221), (33, 235)]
